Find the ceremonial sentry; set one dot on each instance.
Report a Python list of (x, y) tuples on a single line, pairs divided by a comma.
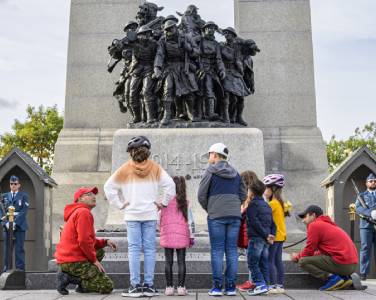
[(175, 73)]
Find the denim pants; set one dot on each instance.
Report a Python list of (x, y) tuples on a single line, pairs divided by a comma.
[(367, 239), (258, 252), (18, 248), (223, 234), (276, 269), (141, 235)]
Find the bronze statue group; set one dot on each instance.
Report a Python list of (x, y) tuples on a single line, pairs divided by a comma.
[(177, 70)]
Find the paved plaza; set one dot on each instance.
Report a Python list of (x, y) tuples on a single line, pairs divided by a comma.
[(369, 293)]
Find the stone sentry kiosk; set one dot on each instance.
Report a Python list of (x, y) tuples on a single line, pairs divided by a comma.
[(282, 133)]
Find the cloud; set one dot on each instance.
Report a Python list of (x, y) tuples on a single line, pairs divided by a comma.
[(8, 104)]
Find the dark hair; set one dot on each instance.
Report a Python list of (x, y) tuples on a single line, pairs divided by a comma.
[(248, 178), (181, 195), (139, 154), (277, 194), (258, 188)]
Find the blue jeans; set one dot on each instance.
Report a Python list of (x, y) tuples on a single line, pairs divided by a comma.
[(18, 248), (276, 269), (223, 234), (367, 239), (141, 234), (258, 252)]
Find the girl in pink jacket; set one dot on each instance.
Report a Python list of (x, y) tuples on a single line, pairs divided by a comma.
[(176, 233)]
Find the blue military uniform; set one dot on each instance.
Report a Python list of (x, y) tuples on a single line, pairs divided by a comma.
[(367, 230), (20, 201)]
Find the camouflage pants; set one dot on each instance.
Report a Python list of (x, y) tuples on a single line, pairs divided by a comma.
[(91, 278)]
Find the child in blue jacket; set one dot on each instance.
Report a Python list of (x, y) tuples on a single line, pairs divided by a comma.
[(261, 231)]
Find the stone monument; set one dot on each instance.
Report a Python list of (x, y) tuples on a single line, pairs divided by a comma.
[(283, 108)]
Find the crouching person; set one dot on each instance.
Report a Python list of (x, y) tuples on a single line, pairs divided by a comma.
[(329, 254), (79, 252)]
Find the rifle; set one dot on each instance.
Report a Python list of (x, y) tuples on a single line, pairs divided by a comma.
[(363, 204)]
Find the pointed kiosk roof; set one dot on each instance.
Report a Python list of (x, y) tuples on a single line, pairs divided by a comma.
[(364, 150), (28, 160)]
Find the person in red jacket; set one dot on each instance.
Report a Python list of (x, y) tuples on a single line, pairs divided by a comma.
[(79, 252), (329, 253)]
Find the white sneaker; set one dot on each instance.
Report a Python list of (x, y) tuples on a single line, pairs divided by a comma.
[(216, 292), (280, 289), (273, 289), (258, 290)]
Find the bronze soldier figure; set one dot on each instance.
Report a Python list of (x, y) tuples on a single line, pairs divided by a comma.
[(212, 70), (142, 84), (234, 86), (121, 92), (172, 66)]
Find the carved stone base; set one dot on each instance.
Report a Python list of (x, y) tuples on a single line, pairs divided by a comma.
[(183, 152)]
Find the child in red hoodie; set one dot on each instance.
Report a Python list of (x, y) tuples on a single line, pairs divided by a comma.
[(79, 252), (329, 253)]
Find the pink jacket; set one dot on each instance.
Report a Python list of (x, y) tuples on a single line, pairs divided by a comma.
[(174, 230)]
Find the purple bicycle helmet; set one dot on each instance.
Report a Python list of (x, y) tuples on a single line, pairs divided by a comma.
[(274, 179)]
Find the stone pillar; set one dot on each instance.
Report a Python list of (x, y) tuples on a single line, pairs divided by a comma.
[(284, 104)]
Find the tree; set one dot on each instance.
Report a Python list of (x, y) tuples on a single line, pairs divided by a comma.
[(338, 150), (36, 136)]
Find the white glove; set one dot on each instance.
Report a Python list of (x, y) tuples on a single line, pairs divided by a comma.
[(7, 225), (373, 214)]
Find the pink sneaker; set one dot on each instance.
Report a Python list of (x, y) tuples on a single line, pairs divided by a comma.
[(182, 291), (169, 291)]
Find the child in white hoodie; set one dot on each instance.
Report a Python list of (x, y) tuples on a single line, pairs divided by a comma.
[(135, 187)]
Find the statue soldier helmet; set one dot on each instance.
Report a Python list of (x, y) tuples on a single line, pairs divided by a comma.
[(231, 30), (171, 18), (210, 24), (191, 8), (130, 24), (143, 29), (138, 141), (169, 24)]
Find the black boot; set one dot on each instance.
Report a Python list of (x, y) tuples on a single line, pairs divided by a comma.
[(239, 108), (189, 103), (166, 113), (62, 281), (150, 112), (136, 114), (211, 114), (197, 110)]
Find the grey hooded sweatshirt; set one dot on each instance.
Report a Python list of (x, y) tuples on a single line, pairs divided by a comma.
[(221, 191)]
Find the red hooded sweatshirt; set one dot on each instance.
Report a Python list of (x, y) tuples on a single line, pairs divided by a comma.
[(78, 242), (325, 237)]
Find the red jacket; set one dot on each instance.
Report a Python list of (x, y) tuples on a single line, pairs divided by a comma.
[(324, 236), (78, 242)]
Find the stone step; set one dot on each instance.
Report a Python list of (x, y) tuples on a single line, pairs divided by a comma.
[(195, 262), (45, 281), (202, 244)]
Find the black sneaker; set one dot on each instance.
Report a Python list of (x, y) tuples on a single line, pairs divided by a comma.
[(133, 292), (81, 290), (149, 291), (363, 277)]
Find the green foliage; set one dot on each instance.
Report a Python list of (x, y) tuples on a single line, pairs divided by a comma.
[(338, 150), (36, 136)]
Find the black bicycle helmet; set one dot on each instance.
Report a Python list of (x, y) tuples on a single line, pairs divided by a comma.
[(138, 141)]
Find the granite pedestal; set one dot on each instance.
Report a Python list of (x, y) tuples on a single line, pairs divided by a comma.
[(183, 152)]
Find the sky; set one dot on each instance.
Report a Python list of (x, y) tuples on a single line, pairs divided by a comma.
[(34, 40)]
